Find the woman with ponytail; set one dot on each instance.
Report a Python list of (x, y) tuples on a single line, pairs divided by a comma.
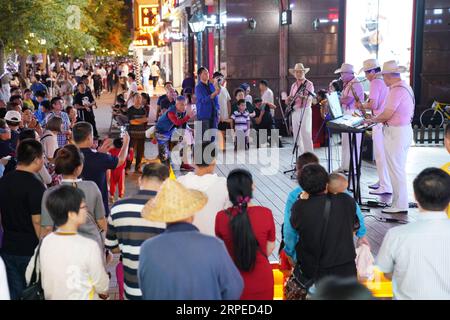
[(249, 235)]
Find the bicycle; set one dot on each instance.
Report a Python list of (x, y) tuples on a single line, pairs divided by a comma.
[(435, 115)]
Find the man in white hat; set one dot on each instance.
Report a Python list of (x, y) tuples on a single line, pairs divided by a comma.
[(377, 99), (353, 92), (302, 90), (397, 131)]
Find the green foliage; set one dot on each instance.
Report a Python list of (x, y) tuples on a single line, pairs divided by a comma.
[(68, 26)]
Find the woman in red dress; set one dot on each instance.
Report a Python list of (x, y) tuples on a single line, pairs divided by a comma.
[(249, 235)]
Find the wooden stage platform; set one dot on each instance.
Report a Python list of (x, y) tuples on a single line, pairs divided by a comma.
[(272, 190)]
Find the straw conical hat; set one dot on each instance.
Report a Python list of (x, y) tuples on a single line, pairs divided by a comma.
[(173, 203)]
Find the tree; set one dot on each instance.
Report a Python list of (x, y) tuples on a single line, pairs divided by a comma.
[(74, 27)]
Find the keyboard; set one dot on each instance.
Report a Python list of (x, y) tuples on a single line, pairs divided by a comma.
[(348, 123)]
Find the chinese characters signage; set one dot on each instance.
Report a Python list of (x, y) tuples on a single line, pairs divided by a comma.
[(148, 17)]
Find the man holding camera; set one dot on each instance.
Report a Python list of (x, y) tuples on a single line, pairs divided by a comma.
[(208, 108)]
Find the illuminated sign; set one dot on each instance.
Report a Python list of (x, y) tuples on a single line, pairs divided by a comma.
[(148, 17), (286, 17), (146, 40)]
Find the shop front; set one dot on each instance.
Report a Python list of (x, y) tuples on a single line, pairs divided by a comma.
[(373, 29)]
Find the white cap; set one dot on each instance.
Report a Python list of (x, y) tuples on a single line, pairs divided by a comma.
[(13, 116)]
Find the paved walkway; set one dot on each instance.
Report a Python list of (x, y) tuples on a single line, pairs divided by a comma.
[(272, 190)]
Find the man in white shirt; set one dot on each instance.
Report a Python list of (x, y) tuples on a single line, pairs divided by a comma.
[(204, 179), (266, 95), (104, 75), (146, 73), (132, 89), (155, 71), (417, 256)]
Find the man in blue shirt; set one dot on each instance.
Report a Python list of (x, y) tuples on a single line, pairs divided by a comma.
[(208, 108), (290, 236), (38, 85), (182, 263)]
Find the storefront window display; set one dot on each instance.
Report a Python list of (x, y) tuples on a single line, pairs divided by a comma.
[(379, 29)]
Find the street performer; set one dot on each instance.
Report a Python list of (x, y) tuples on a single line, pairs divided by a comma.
[(397, 131), (301, 95), (376, 102), (175, 118), (353, 92)]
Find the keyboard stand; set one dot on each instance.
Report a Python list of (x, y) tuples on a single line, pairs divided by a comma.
[(354, 174)]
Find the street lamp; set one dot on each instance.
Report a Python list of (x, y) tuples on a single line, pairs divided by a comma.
[(198, 24)]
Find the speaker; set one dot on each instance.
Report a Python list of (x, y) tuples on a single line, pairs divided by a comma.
[(367, 148)]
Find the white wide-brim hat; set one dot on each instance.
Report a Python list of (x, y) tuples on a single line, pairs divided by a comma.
[(345, 67), (299, 66), (370, 64), (392, 67)]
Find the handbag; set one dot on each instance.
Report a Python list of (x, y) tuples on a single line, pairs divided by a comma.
[(298, 284), (34, 290)]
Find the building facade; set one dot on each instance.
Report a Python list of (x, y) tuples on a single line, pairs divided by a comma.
[(261, 39)]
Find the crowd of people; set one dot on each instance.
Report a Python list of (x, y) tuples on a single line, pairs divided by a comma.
[(58, 226)]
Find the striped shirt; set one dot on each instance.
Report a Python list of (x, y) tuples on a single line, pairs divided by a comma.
[(241, 120), (62, 138), (128, 230), (418, 256)]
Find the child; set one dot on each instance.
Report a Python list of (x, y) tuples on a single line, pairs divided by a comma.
[(120, 111), (118, 174), (338, 183), (13, 119), (241, 123)]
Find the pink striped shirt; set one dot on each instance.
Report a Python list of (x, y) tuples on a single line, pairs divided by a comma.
[(302, 101), (401, 101), (378, 94)]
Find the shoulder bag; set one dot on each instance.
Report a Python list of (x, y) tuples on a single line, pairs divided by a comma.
[(34, 290), (298, 284)]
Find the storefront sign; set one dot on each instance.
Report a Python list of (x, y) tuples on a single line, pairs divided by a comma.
[(148, 17), (286, 17), (146, 40), (174, 36)]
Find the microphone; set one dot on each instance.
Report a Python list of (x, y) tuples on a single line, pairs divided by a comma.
[(312, 94)]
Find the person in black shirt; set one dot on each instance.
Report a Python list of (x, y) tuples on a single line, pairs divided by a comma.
[(97, 78), (337, 255), (84, 103), (263, 121), (97, 162), (20, 204), (5, 147), (138, 124)]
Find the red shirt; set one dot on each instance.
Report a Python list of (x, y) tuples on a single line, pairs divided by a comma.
[(258, 283), (115, 152)]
